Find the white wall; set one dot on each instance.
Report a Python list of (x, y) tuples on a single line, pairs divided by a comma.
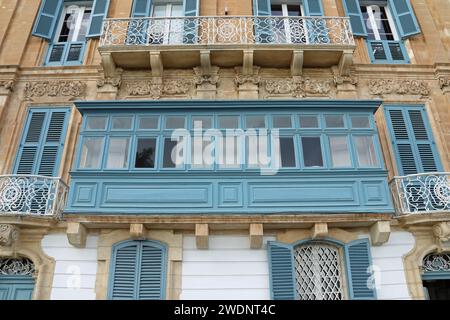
[(229, 269), (388, 259), (75, 269)]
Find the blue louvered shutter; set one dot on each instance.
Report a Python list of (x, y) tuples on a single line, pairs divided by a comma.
[(138, 271), (124, 271), (359, 271), (99, 13), (313, 8), (412, 140), (353, 11), (141, 8), (317, 28), (47, 18), (42, 142), (152, 272), (281, 265), (405, 17)]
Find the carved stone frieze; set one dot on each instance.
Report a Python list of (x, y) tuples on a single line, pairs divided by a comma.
[(298, 87), (57, 88), (155, 89), (381, 87), (8, 235)]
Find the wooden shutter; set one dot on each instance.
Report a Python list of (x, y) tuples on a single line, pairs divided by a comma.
[(99, 13), (138, 271), (47, 18), (313, 8), (281, 264), (405, 17), (412, 140), (141, 8), (124, 266), (42, 142), (262, 8), (360, 279), (353, 11), (152, 276)]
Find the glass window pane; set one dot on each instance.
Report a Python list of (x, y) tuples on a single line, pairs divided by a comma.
[(204, 122), (202, 152), (145, 153), (312, 152), (340, 154), (148, 123), (96, 123), (309, 122), (175, 122), (229, 122), (282, 122), (334, 121), (365, 149), (91, 153), (360, 122), (256, 149), (172, 156), (122, 123), (255, 122), (287, 152), (118, 153), (230, 148)]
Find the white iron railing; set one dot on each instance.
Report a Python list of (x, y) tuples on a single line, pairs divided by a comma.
[(422, 193), (31, 195), (227, 30)]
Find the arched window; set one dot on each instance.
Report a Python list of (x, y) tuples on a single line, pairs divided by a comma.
[(318, 272), (16, 279), (436, 276), (138, 271)]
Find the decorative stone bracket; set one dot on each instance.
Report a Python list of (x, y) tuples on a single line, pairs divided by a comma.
[(6, 86), (442, 233), (202, 236), (8, 235), (76, 234), (380, 233)]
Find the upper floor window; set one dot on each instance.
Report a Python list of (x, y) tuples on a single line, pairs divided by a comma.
[(67, 25), (220, 141), (385, 25)]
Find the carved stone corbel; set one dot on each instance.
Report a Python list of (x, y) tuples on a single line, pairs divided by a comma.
[(8, 235), (202, 236), (442, 233), (76, 234), (110, 84), (444, 83), (247, 83), (6, 87), (206, 82)]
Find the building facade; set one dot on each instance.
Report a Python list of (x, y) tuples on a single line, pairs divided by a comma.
[(224, 149)]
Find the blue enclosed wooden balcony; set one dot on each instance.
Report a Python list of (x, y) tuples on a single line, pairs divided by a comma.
[(257, 157)]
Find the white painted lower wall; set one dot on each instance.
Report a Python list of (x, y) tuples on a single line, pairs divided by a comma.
[(229, 269), (75, 269), (388, 259)]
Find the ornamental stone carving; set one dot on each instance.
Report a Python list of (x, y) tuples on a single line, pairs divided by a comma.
[(442, 233), (242, 79), (155, 89), (8, 235), (113, 81), (351, 79), (444, 83), (71, 89), (390, 86), (298, 87), (7, 85), (211, 78)]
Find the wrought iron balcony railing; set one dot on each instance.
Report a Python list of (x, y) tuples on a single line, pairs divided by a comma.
[(32, 195), (422, 193), (227, 30)]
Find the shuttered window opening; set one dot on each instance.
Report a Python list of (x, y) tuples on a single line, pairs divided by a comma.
[(42, 142), (412, 140), (321, 270), (67, 26), (138, 271)]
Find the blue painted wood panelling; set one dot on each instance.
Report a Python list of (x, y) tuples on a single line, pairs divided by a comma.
[(16, 287), (141, 193)]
